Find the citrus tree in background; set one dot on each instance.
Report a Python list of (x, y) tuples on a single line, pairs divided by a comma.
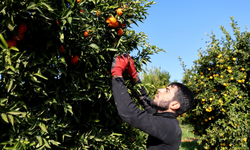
[(55, 60), (154, 79), (219, 80)]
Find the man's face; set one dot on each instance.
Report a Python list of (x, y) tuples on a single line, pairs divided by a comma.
[(164, 97)]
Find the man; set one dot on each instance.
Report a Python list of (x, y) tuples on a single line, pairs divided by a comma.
[(159, 116)]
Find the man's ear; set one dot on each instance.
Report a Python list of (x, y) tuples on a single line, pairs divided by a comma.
[(174, 105)]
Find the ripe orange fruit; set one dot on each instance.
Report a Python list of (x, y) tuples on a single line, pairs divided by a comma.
[(112, 22), (20, 37), (122, 25), (57, 22), (61, 49), (78, 1), (22, 28), (11, 42), (86, 33), (119, 11), (81, 11), (98, 13), (74, 59), (120, 32)]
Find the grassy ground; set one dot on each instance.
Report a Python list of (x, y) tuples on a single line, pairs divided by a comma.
[(189, 140)]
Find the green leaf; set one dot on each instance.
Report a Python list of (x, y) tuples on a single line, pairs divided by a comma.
[(4, 117), (11, 118), (2, 100), (94, 46), (43, 127), (117, 134), (54, 142), (14, 48), (2, 9), (12, 68), (16, 112), (112, 7), (66, 13), (69, 20), (16, 145), (96, 120), (46, 143), (49, 8), (9, 22), (10, 85), (11, 148), (32, 5), (41, 76), (112, 49), (3, 41), (39, 140), (61, 37), (34, 79), (53, 71)]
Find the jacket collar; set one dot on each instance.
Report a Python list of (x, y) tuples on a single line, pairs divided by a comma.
[(167, 115)]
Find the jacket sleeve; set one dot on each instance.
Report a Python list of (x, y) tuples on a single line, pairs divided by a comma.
[(130, 113), (142, 95)]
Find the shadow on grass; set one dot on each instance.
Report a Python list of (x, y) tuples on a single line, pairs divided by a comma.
[(190, 146)]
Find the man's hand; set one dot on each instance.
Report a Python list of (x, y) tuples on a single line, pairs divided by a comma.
[(131, 68), (119, 64)]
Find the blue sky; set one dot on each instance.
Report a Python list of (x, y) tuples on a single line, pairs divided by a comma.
[(179, 27)]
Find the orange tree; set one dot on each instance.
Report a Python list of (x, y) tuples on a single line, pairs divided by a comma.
[(55, 90), (219, 80), (154, 79)]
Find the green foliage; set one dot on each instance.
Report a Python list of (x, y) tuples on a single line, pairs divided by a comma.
[(190, 146), (48, 102), (220, 83), (154, 79)]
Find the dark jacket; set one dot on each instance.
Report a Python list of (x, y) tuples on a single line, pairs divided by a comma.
[(163, 128)]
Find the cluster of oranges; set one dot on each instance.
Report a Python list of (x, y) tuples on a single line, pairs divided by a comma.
[(13, 42), (73, 59), (113, 23)]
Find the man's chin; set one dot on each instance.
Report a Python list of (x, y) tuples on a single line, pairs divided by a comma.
[(157, 106)]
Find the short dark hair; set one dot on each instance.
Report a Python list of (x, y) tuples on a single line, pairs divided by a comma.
[(184, 96)]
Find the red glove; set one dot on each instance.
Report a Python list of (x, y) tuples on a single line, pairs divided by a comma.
[(119, 64), (131, 68)]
